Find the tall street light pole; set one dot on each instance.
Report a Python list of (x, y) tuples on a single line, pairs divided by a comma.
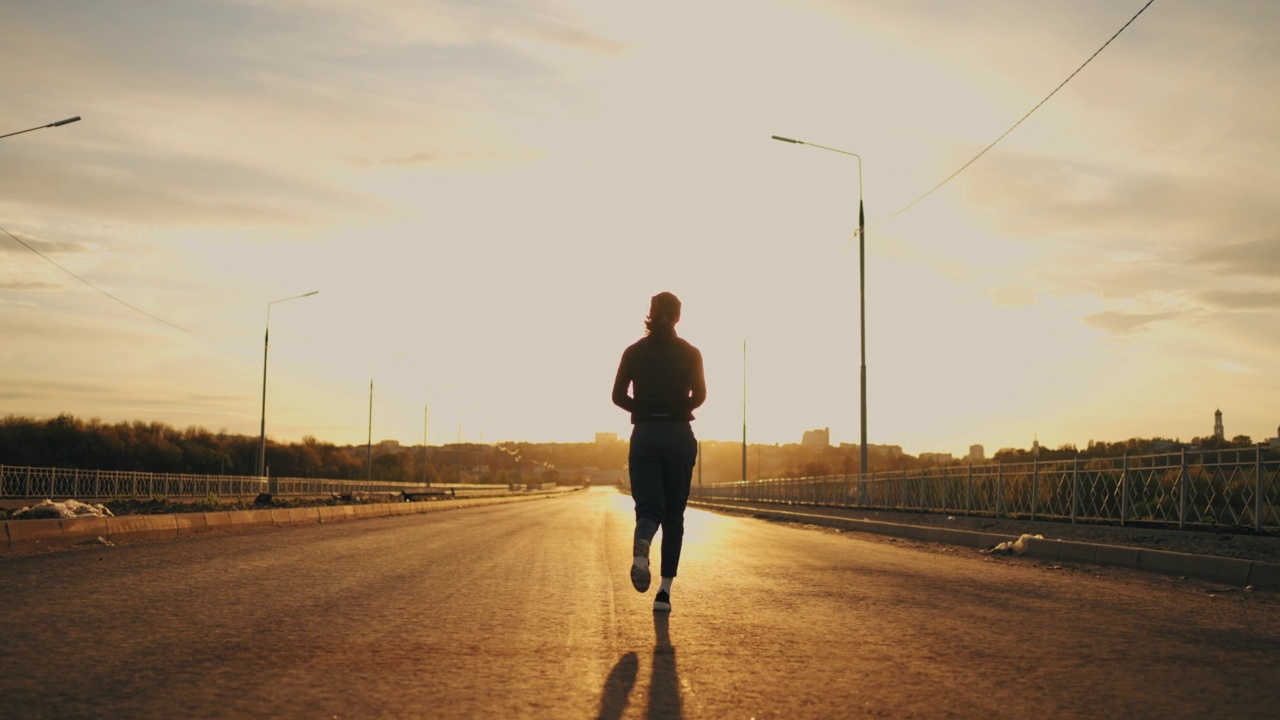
[(370, 445), (60, 123), (862, 292), (744, 411), (266, 343)]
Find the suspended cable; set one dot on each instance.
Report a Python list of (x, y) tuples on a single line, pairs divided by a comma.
[(95, 287), (913, 203)]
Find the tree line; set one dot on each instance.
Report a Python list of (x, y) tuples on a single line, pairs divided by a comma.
[(69, 442), (1131, 447)]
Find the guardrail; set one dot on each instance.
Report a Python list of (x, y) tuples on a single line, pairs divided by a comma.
[(1233, 488), (34, 482)]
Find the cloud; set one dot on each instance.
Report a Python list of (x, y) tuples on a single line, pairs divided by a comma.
[(27, 286), (462, 22), (1121, 323), (38, 390), (251, 113), (44, 247), (419, 158), (1242, 299), (64, 335), (1256, 257), (119, 401), (1043, 197), (575, 38), (176, 191), (1012, 296)]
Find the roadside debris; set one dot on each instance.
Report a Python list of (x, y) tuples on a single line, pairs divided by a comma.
[(1014, 547), (65, 509)]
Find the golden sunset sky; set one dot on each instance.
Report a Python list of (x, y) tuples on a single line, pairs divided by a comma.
[(486, 194)]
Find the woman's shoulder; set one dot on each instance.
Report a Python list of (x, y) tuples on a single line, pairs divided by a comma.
[(687, 345), (687, 349), (655, 341)]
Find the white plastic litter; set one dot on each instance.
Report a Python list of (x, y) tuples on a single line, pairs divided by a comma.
[(65, 509), (1015, 547)]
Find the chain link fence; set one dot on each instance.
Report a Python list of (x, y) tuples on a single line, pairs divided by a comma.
[(1227, 488)]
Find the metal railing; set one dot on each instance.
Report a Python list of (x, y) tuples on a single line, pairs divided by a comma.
[(1226, 488), (55, 483)]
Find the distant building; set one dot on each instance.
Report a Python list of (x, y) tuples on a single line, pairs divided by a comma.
[(816, 438), (389, 447), (606, 438), (1218, 431), (935, 458), (977, 454), (881, 452), (1275, 441), (892, 452)]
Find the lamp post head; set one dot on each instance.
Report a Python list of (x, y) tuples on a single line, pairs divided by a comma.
[(291, 297), (41, 127), (784, 139)]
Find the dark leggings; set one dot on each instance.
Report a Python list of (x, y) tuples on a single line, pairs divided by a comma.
[(661, 461)]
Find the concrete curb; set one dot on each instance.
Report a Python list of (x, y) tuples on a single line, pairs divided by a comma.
[(1229, 571), (25, 536)]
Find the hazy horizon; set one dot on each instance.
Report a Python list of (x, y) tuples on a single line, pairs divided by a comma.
[(988, 451), (486, 198)]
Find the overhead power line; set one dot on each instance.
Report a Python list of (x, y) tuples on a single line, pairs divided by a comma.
[(95, 287), (913, 203)]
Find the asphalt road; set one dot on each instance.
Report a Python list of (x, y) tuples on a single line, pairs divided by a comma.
[(525, 610)]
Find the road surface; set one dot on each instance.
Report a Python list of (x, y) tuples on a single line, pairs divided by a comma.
[(525, 611)]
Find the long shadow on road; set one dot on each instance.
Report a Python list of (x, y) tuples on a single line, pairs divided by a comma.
[(664, 683), (617, 687)]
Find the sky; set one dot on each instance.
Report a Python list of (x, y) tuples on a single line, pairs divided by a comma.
[(485, 195)]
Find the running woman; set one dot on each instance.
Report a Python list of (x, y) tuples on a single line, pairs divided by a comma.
[(664, 374)]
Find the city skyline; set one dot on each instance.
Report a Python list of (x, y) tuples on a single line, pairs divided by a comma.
[(486, 198)]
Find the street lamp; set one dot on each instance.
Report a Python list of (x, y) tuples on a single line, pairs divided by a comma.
[(262, 438), (862, 290), (60, 123)]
